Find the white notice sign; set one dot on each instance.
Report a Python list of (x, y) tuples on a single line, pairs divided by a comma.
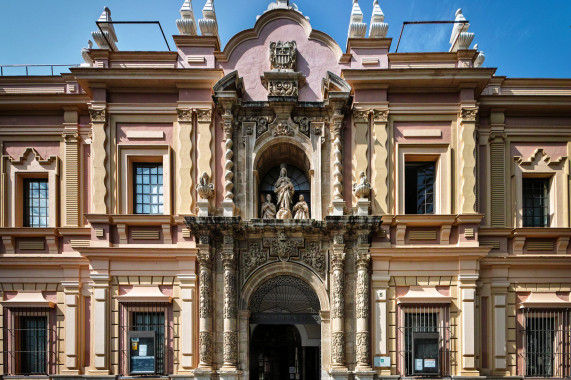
[(383, 361), (418, 365), (430, 363), (143, 350)]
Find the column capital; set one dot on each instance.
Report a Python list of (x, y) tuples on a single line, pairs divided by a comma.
[(381, 115), (98, 115), (184, 115)]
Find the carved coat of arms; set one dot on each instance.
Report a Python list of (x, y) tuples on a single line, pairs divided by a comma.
[(283, 55)]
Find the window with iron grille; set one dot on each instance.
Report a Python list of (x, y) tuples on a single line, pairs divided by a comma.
[(29, 342), (36, 202), (545, 339), (419, 187), (535, 202), (153, 318), (416, 320), (148, 185)]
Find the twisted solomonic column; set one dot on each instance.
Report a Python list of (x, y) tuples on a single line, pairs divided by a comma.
[(337, 132), (228, 203)]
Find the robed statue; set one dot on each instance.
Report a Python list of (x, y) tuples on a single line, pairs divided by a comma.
[(301, 210), (284, 191), (268, 208)]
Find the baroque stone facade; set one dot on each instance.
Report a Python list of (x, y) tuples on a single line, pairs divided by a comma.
[(282, 203)]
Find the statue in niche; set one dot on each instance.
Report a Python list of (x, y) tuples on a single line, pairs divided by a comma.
[(268, 208), (301, 211), (284, 190)]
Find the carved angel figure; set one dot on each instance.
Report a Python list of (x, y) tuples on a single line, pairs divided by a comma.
[(268, 208), (362, 188), (205, 189), (284, 190), (301, 210)]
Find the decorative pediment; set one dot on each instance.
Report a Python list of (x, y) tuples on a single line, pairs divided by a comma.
[(334, 83), (230, 82), (539, 158), (29, 155)]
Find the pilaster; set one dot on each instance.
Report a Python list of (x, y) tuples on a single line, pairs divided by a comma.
[(380, 163), (467, 145), (71, 338), (498, 184), (100, 362), (204, 143), (467, 292), (499, 289), (71, 167), (185, 190), (187, 322), (99, 159), (380, 286)]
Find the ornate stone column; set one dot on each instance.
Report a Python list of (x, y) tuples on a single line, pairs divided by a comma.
[(228, 203), (360, 142), (338, 202), (71, 290), (185, 195), (362, 306), (467, 135), (337, 258), (230, 350), (205, 311), (99, 159), (380, 162)]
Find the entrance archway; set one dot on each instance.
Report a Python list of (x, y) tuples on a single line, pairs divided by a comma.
[(285, 330)]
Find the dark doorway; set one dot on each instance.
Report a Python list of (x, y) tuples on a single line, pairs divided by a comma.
[(276, 353)]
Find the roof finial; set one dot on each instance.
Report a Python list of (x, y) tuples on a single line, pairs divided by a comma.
[(378, 27), (86, 56), (186, 24), (209, 24), (480, 58), (108, 38), (357, 28), (460, 38)]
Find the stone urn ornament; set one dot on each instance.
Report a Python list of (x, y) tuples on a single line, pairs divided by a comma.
[(205, 190)]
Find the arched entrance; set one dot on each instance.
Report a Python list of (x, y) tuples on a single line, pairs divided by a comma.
[(285, 330)]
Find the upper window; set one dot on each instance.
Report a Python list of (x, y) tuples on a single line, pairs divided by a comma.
[(535, 202), (148, 180), (36, 207), (419, 187)]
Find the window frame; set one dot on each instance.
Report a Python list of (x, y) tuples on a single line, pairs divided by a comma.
[(440, 154), (418, 165), (546, 214), (135, 167), (129, 155), (26, 208)]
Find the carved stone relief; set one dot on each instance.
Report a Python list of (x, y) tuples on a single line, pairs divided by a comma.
[(284, 247), (230, 311), (363, 350), (283, 55), (338, 347), (205, 347), (362, 297), (230, 347), (205, 309), (337, 301)]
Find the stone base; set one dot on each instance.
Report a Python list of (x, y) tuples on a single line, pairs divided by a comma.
[(363, 206), (228, 209), (338, 207), (339, 373), (203, 373), (364, 373), (203, 207), (229, 374)]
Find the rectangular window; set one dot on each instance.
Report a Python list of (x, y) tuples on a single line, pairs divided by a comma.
[(148, 185), (28, 342), (424, 341), (147, 336), (535, 202), (419, 187), (36, 202), (546, 343)]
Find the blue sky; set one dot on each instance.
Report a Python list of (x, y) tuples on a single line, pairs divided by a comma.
[(525, 38)]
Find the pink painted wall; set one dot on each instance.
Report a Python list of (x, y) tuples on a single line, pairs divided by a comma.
[(123, 128), (251, 59), (423, 98), (31, 121), (444, 127), (142, 98), (359, 54), (525, 150), (46, 148)]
